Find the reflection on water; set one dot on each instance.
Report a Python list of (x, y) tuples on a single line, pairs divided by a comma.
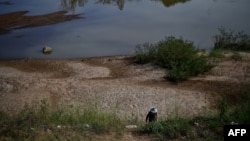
[(119, 3), (18, 20), (6, 3), (111, 27), (169, 3), (70, 5)]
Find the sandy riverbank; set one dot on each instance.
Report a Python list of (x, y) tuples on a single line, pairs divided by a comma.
[(116, 83)]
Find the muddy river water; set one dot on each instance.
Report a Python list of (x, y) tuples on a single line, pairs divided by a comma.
[(92, 28)]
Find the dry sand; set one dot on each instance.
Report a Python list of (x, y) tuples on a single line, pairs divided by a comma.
[(116, 84)]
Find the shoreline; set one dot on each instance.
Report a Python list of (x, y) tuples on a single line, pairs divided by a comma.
[(76, 58)]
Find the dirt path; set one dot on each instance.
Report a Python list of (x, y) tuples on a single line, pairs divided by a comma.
[(116, 84)]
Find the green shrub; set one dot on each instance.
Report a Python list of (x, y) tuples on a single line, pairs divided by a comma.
[(181, 56), (229, 40), (178, 74), (173, 51), (176, 54)]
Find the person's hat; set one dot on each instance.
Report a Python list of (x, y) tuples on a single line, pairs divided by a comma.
[(153, 110)]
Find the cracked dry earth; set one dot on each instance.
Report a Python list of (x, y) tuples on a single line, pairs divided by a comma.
[(116, 84)]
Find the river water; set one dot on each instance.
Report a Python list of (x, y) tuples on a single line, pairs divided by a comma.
[(115, 27)]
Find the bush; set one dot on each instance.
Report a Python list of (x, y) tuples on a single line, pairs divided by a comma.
[(172, 52), (176, 54), (229, 40), (178, 74)]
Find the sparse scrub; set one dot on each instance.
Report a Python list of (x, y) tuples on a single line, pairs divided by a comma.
[(145, 53), (229, 40)]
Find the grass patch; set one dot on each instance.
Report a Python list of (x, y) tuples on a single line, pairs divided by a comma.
[(39, 122), (171, 128)]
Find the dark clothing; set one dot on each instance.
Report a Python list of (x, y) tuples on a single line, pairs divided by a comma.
[(151, 117)]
